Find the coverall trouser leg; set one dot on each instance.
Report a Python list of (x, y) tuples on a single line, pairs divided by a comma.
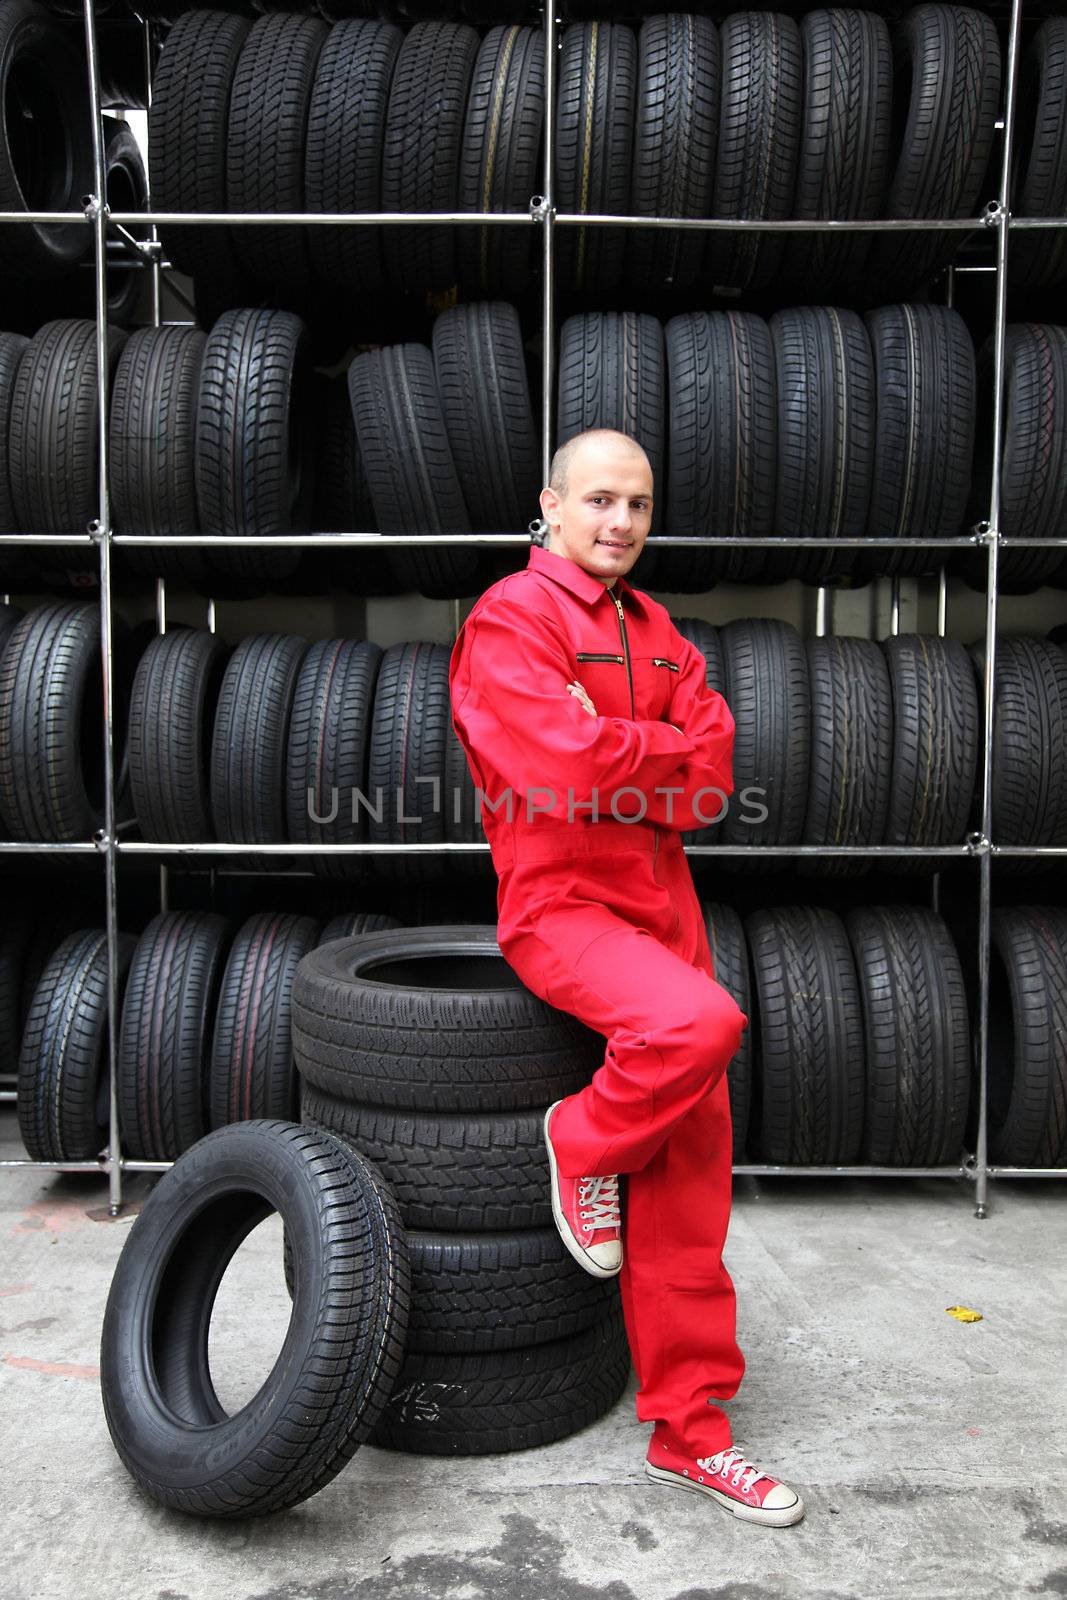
[(658, 1110)]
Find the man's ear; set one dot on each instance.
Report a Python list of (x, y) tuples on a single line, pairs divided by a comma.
[(550, 506)]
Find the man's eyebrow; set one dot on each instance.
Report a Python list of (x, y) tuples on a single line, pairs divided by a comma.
[(639, 494)]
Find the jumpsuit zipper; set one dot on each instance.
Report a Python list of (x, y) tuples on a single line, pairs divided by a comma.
[(633, 714)]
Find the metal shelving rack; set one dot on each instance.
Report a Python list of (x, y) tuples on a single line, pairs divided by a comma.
[(543, 214)]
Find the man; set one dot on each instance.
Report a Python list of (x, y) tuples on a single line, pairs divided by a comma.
[(589, 729)]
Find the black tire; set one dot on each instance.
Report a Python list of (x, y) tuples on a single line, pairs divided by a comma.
[(706, 638), (433, 1019), (475, 1405), (187, 126), (1039, 164), (474, 1292), (351, 923), (342, 1350), (768, 691), (480, 367), (253, 407), (463, 824), (46, 161), (162, 1052), (843, 168), (14, 933), (250, 737), (346, 128), (811, 1060), (1027, 1025), (172, 714), (450, 1174), (406, 763), (851, 752), (729, 961), (51, 726), (917, 1037), (152, 447), (127, 190), (1033, 479), (63, 1088), (925, 401), (613, 374), (759, 144), (595, 110), (1029, 739), (826, 423), (946, 75), (266, 137), (500, 158), (18, 572), (935, 745), (252, 1073), (329, 740), (53, 439), (421, 154), (676, 128), (723, 441), (412, 477), (343, 501)]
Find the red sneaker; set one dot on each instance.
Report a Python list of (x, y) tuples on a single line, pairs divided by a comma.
[(730, 1480), (587, 1215)]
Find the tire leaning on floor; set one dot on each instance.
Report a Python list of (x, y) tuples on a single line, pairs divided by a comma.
[(1027, 1026), (344, 1343), (453, 1174), (253, 405), (447, 1405), (252, 1072), (63, 1086), (917, 1036), (164, 1037), (433, 1020), (810, 1077)]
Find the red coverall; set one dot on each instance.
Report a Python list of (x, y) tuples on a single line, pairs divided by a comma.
[(601, 919)]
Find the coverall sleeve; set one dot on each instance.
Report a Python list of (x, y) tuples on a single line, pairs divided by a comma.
[(511, 702), (704, 716)]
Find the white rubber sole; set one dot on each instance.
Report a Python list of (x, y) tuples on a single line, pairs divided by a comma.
[(569, 1241), (781, 1518)]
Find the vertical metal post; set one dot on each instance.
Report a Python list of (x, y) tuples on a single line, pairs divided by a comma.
[(548, 218), (992, 580), (101, 530), (157, 297)]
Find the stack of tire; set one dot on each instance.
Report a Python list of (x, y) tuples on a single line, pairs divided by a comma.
[(421, 1049)]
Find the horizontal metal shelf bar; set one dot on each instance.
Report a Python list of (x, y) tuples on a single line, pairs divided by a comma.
[(375, 540), (774, 1171), (226, 847), (34, 847), (60, 539), (1029, 850), (99, 1167), (1027, 1172), (9, 1094)]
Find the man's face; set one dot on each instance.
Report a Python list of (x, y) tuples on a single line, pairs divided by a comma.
[(603, 518)]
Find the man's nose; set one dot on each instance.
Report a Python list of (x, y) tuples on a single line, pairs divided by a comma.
[(620, 517)]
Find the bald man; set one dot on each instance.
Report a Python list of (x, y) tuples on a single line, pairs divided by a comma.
[(591, 733)]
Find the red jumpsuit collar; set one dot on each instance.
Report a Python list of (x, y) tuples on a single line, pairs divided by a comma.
[(572, 576)]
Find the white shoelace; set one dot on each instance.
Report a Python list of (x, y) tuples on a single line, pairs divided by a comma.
[(732, 1462), (601, 1195)]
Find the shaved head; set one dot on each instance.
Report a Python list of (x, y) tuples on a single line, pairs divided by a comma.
[(608, 440)]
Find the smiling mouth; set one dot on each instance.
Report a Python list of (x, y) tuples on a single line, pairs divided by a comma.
[(613, 544)]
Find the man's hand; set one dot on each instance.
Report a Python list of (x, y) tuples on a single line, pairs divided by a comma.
[(575, 688)]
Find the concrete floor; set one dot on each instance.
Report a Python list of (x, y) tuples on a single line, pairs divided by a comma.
[(931, 1453)]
